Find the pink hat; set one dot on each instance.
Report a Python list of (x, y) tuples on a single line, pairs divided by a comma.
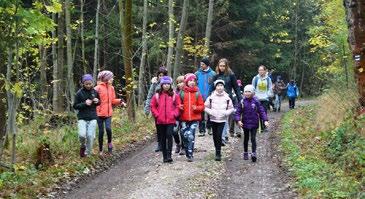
[(189, 77), (105, 75)]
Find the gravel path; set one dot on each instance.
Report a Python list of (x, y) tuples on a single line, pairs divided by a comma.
[(143, 175)]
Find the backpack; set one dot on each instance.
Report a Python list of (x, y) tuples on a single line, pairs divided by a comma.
[(256, 80), (210, 103), (182, 94), (158, 97), (292, 91)]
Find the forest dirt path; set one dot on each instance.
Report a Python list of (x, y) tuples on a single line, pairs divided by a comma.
[(143, 175)]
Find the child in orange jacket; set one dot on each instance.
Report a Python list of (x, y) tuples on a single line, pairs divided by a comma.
[(105, 109), (191, 113)]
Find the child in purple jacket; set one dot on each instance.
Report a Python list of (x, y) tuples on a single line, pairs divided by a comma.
[(251, 111)]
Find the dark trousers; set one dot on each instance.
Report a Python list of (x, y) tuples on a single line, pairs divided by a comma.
[(204, 123), (107, 121), (247, 134), (265, 104), (291, 102), (217, 129), (178, 134), (166, 131)]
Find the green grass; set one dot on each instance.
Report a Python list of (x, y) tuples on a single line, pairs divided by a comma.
[(27, 181), (325, 164)]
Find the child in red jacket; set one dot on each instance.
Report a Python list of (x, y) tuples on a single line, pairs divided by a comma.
[(105, 109), (191, 113), (165, 108)]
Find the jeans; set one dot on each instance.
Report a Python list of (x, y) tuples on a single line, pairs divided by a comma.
[(108, 122), (217, 129), (166, 131), (247, 134), (204, 123), (188, 129), (86, 131), (278, 99)]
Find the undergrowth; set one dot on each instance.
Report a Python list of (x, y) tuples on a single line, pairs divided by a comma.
[(27, 181), (324, 147)]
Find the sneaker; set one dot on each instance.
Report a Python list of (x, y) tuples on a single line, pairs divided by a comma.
[(165, 161), (170, 160), (209, 131), (110, 148), (201, 134), (223, 143), (238, 135), (178, 147), (101, 153), (245, 156), (182, 152), (190, 159), (218, 158), (82, 151), (253, 157)]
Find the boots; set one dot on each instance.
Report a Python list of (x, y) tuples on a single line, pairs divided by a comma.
[(178, 147), (245, 155), (218, 156), (253, 157), (82, 151)]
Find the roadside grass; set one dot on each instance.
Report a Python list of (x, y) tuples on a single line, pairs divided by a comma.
[(28, 182), (324, 147)]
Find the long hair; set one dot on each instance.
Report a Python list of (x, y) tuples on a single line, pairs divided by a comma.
[(227, 69), (170, 92)]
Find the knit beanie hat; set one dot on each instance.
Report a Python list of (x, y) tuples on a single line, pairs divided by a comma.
[(249, 88), (162, 70), (165, 80), (189, 77), (206, 61), (105, 75), (86, 77), (218, 81)]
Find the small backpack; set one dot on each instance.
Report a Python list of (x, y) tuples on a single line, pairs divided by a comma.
[(292, 91), (182, 94)]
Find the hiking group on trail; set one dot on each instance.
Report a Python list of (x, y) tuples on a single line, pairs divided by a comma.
[(208, 101)]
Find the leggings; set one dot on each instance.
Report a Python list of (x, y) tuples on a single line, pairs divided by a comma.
[(247, 134), (107, 121)]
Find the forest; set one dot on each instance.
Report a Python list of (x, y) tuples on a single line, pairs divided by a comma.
[(47, 45)]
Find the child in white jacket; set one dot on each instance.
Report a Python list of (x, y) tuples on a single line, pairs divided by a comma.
[(218, 106)]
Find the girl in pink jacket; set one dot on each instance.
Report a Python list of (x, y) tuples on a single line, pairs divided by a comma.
[(218, 106), (165, 108)]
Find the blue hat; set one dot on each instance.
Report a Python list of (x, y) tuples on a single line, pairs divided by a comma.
[(87, 77), (166, 80)]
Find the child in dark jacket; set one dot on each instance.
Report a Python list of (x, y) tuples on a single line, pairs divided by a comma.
[(177, 128), (248, 114), (86, 100), (165, 108)]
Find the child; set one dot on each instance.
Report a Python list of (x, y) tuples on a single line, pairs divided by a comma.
[(155, 86), (86, 100), (251, 111), (192, 108), (105, 110), (165, 108), (177, 134), (293, 93), (219, 107)]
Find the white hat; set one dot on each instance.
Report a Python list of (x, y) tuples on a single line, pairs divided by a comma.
[(249, 88), (218, 81)]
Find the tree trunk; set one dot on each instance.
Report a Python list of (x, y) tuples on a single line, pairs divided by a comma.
[(2, 109), (96, 54), (356, 20), (82, 27), (142, 67), (70, 76), (58, 64), (127, 58), (208, 29), (296, 50), (43, 73), (170, 43), (180, 39)]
